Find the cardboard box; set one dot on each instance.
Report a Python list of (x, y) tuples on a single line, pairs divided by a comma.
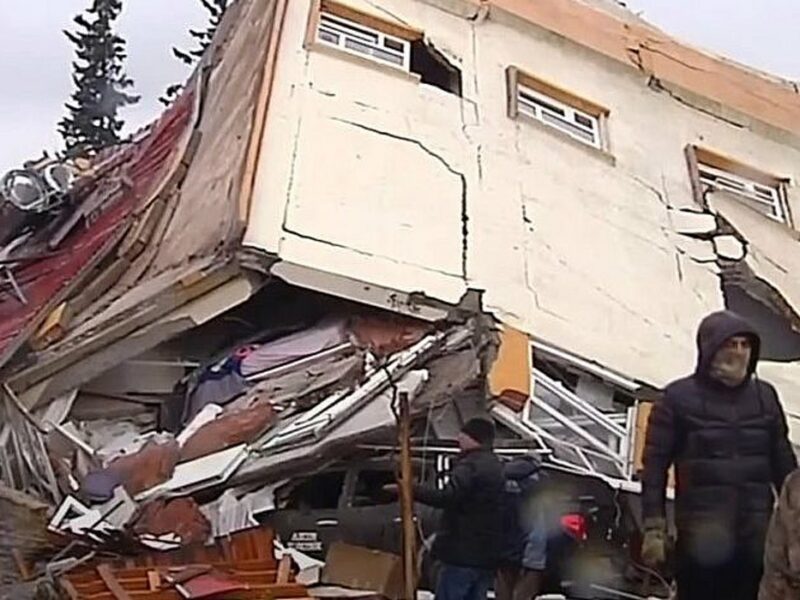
[(364, 569)]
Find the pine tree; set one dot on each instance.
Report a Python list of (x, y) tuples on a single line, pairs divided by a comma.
[(93, 122), (216, 10)]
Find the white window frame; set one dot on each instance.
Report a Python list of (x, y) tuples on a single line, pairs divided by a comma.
[(544, 108), (375, 45), (766, 199)]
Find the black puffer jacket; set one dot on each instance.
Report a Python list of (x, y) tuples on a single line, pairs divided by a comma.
[(729, 446), (471, 533)]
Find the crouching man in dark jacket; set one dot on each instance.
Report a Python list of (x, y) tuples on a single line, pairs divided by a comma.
[(469, 541), (726, 434)]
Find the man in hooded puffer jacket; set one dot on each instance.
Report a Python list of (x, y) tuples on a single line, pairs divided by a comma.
[(725, 432)]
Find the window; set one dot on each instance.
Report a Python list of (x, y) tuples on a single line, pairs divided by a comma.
[(359, 39), (319, 492), (557, 109), (766, 199), (369, 488), (575, 123), (760, 191), (381, 42)]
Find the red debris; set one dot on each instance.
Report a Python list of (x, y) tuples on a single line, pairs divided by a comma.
[(234, 427)]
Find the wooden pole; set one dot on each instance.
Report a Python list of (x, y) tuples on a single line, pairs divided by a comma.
[(407, 500)]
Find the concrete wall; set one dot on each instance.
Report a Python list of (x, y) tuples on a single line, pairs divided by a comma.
[(368, 174)]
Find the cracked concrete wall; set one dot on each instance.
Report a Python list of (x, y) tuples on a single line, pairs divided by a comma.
[(368, 174)]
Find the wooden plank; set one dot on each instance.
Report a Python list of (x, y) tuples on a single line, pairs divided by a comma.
[(284, 570), (142, 232), (107, 575), (53, 328), (22, 565), (68, 588), (153, 580), (261, 108), (372, 20), (255, 592), (100, 284), (260, 567)]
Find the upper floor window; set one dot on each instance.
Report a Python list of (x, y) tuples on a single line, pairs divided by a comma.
[(572, 121), (380, 42), (760, 191), (557, 109), (355, 38)]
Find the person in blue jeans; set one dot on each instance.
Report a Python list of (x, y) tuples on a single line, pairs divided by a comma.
[(469, 542)]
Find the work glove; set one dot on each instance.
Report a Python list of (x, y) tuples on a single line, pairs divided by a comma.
[(654, 543)]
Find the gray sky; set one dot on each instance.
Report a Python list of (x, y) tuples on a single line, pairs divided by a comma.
[(36, 57)]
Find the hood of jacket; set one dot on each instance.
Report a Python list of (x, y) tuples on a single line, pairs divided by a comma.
[(714, 331)]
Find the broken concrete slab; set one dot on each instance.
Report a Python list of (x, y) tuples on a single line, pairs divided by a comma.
[(729, 247), (773, 252), (701, 251), (693, 223), (786, 379)]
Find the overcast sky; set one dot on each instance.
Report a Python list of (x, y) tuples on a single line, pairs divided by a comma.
[(35, 64)]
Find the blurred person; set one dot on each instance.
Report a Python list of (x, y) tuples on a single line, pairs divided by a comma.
[(781, 579), (520, 575), (725, 432)]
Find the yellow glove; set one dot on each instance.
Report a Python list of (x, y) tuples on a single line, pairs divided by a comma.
[(654, 543)]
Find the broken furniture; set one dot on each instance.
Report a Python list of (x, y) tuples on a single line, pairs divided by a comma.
[(241, 567)]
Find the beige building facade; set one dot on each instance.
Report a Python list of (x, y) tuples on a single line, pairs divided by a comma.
[(599, 193)]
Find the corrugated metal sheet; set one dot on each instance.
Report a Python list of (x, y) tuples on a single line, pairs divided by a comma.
[(49, 280), (198, 226)]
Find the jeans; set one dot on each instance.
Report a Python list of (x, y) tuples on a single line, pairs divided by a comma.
[(463, 583)]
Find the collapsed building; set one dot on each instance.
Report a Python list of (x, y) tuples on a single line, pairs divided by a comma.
[(498, 205)]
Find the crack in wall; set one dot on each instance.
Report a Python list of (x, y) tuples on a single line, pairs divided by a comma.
[(364, 253), (462, 178), (292, 171), (658, 194), (646, 46), (655, 84), (388, 13)]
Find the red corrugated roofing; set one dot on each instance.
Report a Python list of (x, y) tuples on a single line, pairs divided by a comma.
[(48, 281)]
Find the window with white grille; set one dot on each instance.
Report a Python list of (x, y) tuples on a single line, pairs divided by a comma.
[(766, 199), (361, 40), (576, 123)]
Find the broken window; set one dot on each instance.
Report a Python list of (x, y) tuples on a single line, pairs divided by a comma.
[(760, 191), (434, 69), (555, 108), (322, 491), (370, 490), (369, 37)]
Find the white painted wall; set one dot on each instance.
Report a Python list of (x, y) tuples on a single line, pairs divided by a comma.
[(362, 173)]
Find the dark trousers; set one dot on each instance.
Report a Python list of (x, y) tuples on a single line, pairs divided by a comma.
[(463, 583), (737, 578), (517, 583)]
